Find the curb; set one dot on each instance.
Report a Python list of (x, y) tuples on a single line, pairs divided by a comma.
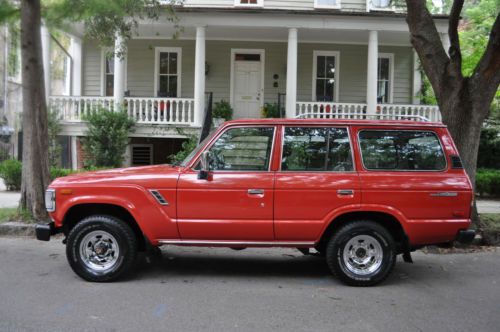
[(15, 228)]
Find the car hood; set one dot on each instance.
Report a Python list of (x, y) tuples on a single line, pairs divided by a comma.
[(146, 176)]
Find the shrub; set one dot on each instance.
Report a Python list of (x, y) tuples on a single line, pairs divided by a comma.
[(488, 182), (489, 148), (187, 146), (106, 138), (60, 172), (270, 111), (10, 172), (223, 110)]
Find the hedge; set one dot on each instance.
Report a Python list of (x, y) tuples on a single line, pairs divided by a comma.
[(488, 182)]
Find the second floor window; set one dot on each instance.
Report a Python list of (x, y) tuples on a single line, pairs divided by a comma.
[(258, 3), (326, 3)]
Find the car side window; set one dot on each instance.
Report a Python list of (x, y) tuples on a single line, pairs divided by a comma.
[(316, 149), (401, 150), (242, 149)]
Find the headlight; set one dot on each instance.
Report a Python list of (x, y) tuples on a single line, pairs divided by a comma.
[(50, 200)]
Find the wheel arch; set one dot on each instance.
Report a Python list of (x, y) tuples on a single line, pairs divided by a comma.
[(78, 212), (385, 219)]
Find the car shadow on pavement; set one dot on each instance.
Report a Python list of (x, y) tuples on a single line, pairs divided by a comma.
[(186, 265)]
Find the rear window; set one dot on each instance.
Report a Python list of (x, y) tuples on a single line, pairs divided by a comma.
[(401, 150)]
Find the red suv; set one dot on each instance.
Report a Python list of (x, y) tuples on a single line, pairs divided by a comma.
[(359, 192)]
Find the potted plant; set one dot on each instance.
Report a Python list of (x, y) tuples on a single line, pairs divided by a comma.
[(270, 111), (222, 112)]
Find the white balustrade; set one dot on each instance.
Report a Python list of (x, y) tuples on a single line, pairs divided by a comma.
[(176, 111), (331, 110)]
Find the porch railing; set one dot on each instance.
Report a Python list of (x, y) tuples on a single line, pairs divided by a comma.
[(358, 111), (144, 110)]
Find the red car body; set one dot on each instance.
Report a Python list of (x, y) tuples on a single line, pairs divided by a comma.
[(289, 209)]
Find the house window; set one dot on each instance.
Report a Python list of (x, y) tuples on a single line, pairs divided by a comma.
[(249, 3), (381, 4), (325, 76), (385, 78), (328, 4), (142, 154), (168, 72), (108, 73)]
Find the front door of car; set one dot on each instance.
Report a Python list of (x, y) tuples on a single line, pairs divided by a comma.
[(236, 201)]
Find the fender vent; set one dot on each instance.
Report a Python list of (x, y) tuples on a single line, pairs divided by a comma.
[(156, 194)]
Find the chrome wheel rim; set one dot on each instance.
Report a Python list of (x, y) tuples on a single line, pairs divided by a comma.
[(99, 250), (363, 255)]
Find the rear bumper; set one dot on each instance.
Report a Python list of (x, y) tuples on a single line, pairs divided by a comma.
[(45, 231), (465, 236)]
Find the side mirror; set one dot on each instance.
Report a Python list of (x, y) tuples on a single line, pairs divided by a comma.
[(205, 165)]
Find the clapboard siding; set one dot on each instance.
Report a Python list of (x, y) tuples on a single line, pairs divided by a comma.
[(352, 70), (91, 69)]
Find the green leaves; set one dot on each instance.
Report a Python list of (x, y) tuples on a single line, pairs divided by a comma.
[(106, 138)]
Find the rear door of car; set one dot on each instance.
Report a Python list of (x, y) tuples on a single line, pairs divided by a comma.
[(316, 177)]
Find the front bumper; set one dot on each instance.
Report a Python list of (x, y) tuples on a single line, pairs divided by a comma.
[(45, 231), (465, 236)]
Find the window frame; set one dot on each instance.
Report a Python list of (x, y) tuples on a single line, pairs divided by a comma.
[(445, 156), (156, 73), (389, 56), (195, 163), (260, 3), (336, 6), (335, 54), (351, 146), (104, 51)]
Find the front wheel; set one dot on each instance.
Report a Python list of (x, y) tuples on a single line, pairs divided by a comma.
[(361, 253), (101, 248)]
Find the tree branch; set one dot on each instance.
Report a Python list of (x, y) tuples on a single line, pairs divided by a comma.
[(454, 51), (486, 75), (427, 42)]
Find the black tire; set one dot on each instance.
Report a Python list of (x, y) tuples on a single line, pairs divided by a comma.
[(119, 236), (368, 242)]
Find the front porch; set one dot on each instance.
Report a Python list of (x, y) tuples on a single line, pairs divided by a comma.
[(344, 67)]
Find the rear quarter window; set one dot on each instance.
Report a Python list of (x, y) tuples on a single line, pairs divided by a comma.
[(401, 150)]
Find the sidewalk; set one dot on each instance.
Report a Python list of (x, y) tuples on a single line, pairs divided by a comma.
[(8, 199)]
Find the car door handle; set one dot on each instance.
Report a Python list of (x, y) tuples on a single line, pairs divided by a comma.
[(445, 194), (345, 192), (256, 191)]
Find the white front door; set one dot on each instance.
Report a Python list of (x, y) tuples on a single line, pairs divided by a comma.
[(247, 88)]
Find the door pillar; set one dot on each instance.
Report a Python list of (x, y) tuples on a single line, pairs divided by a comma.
[(199, 77), (291, 73)]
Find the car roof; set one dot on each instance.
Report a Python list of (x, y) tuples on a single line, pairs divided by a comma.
[(351, 122)]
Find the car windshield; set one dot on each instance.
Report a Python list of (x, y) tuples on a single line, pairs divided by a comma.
[(197, 149)]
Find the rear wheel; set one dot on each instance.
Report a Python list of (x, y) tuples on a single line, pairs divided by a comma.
[(361, 253), (101, 248)]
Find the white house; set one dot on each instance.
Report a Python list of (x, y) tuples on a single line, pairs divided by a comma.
[(311, 56)]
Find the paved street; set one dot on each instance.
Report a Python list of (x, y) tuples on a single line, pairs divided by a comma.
[(192, 289)]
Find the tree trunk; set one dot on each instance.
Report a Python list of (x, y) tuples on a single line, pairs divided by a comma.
[(35, 173)]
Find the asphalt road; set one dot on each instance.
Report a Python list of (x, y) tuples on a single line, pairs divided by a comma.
[(193, 289)]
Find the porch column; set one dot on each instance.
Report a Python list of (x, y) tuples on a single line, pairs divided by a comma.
[(371, 84), (76, 66), (199, 77), (417, 79), (445, 40), (119, 73), (45, 34), (291, 74)]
